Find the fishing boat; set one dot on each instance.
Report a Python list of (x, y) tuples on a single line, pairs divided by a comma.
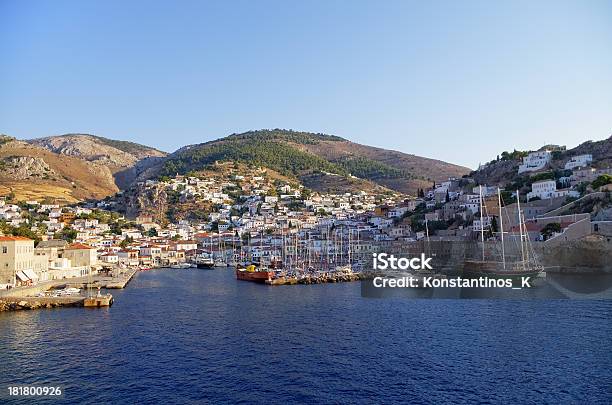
[(526, 266), (257, 274)]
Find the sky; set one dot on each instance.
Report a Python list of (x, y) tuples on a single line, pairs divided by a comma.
[(459, 81)]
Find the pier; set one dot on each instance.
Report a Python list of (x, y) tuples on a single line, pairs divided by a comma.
[(30, 297), (105, 282)]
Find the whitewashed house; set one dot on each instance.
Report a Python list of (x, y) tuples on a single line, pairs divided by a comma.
[(535, 161), (579, 161)]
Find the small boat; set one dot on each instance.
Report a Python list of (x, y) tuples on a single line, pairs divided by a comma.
[(204, 261), (346, 269), (180, 266)]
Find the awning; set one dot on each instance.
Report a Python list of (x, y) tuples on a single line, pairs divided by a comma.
[(30, 274), (21, 276)]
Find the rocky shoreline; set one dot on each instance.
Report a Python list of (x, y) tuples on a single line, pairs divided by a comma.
[(322, 279)]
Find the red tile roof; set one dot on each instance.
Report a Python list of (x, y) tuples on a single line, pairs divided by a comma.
[(13, 238)]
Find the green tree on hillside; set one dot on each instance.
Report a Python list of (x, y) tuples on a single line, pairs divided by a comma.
[(601, 181)]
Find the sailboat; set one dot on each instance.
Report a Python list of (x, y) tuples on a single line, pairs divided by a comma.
[(346, 268), (526, 266), (220, 260)]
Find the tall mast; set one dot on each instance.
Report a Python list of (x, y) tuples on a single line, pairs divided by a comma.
[(481, 224), (518, 206), (341, 246), (308, 248), (327, 245), (358, 247), (501, 227), (349, 247)]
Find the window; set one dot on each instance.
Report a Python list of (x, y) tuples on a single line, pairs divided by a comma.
[(4, 249)]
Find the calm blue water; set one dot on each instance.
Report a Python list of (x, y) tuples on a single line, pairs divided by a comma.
[(193, 336)]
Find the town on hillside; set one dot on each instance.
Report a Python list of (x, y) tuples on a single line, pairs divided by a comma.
[(251, 215)]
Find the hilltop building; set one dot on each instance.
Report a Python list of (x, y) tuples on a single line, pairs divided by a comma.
[(579, 161), (535, 161)]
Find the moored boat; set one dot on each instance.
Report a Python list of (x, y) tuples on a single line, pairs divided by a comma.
[(204, 261), (526, 267), (254, 274)]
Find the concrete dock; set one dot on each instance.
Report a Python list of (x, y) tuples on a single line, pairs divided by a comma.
[(27, 297), (101, 281)]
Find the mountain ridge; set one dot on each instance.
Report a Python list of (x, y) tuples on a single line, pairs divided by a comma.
[(302, 153), (320, 160)]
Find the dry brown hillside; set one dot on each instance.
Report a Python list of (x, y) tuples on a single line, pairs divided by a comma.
[(32, 172), (123, 158)]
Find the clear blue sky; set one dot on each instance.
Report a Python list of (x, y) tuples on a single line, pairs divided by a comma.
[(459, 81)]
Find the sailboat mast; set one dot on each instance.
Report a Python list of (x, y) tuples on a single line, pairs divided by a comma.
[(518, 207), (501, 227), (349, 247), (341, 246), (481, 224)]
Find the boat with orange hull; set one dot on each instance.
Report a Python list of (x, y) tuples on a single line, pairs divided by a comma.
[(251, 273)]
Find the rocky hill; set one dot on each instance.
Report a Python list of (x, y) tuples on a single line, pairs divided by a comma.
[(305, 156), (124, 159), (29, 171), (504, 169)]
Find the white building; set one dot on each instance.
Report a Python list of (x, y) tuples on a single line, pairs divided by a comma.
[(478, 226), (579, 161), (544, 189), (535, 161), (109, 258), (566, 192)]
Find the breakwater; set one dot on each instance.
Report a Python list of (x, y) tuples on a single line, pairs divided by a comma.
[(29, 303), (317, 279)]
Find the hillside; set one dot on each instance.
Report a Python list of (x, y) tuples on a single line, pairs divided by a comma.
[(505, 169), (303, 155), (32, 172), (124, 159)]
